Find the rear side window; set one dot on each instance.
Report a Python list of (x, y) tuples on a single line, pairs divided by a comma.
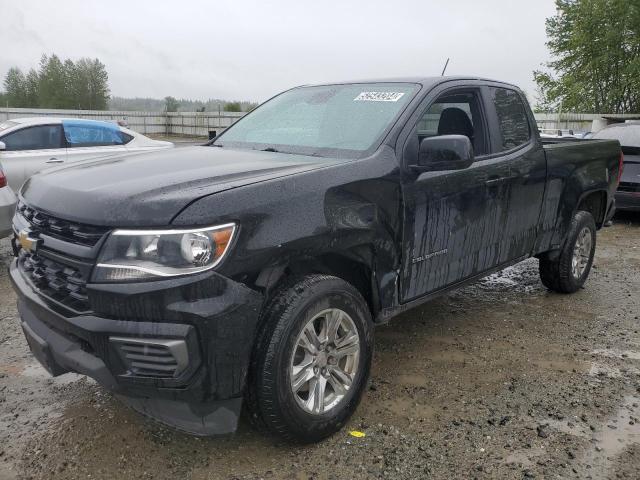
[(126, 138), (512, 118), (88, 134), (34, 138)]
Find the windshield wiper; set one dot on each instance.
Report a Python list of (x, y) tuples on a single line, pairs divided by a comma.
[(270, 149)]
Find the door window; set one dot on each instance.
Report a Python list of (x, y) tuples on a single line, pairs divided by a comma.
[(456, 113), (92, 134), (34, 138), (512, 118)]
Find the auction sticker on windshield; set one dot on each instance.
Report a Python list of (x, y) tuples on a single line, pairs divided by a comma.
[(379, 97)]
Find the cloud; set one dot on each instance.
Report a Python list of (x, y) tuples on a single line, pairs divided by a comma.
[(253, 49)]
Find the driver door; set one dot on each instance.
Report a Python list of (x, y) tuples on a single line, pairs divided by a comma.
[(454, 220)]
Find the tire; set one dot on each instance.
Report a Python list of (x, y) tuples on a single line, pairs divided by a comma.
[(558, 274), (281, 349)]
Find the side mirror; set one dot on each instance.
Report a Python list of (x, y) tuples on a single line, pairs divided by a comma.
[(3, 146), (445, 152)]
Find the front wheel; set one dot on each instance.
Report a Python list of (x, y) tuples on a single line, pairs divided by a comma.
[(568, 271), (312, 359)]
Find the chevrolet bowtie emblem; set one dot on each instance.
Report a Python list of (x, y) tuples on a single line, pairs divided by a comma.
[(27, 242)]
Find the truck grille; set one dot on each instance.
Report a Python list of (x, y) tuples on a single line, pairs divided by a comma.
[(69, 231), (61, 283), (629, 187)]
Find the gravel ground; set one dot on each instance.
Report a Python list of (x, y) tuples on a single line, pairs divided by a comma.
[(502, 379)]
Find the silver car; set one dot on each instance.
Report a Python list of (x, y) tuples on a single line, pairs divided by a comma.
[(28, 145)]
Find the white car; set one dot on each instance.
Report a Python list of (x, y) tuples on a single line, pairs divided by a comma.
[(28, 145)]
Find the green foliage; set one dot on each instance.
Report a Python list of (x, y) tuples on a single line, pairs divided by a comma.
[(84, 84), (91, 83), (170, 104), (232, 107), (14, 86), (31, 87), (58, 84), (53, 86), (595, 67)]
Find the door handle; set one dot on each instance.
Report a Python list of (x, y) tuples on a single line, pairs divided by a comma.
[(54, 160), (493, 181)]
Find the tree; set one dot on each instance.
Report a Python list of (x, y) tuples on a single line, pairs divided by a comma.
[(59, 84), (70, 95), (170, 104), (595, 66), (31, 88), (232, 107), (15, 88), (53, 83), (94, 73), (88, 83)]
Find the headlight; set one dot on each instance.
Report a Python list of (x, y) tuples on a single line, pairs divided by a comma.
[(150, 254)]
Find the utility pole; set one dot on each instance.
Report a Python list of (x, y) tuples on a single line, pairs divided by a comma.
[(559, 120)]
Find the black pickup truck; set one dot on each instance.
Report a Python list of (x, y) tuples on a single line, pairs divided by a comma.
[(252, 270)]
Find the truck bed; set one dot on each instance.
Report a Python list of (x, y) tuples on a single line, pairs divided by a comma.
[(576, 167)]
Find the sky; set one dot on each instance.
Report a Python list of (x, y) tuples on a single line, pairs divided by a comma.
[(250, 50)]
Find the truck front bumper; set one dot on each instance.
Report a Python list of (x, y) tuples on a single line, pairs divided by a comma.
[(182, 361)]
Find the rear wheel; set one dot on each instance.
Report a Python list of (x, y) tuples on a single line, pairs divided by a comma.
[(312, 359), (568, 271)]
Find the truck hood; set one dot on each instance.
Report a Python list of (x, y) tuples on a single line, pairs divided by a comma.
[(149, 189)]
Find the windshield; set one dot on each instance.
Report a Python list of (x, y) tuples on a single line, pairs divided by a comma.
[(330, 120)]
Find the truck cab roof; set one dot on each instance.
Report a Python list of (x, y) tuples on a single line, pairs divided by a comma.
[(423, 81)]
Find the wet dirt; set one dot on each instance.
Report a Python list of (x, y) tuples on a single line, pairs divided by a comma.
[(501, 379)]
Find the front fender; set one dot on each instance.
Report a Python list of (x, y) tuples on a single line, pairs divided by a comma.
[(345, 209)]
